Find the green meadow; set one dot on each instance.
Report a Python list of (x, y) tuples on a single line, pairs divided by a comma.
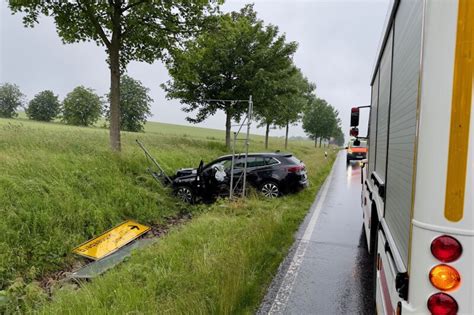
[(61, 185)]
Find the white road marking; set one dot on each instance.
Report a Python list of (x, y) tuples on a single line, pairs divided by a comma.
[(281, 299), (314, 217)]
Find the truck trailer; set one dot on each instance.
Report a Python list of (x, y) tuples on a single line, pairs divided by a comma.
[(417, 181)]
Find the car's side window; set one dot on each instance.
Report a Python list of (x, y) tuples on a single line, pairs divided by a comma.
[(240, 162), (252, 161), (258, 161), (225, 163), (213, 166), (270, 161)]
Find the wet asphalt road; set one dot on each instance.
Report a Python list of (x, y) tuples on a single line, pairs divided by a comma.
[(328, 270)]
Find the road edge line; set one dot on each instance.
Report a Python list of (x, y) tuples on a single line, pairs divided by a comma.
[(286, 286)]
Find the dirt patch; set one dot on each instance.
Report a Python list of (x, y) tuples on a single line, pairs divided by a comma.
[(56, 279), (159, 230)]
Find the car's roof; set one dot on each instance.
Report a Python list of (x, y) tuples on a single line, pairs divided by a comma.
[(273, 154)]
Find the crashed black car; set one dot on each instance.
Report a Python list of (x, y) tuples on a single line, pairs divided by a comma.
[(273, 174)]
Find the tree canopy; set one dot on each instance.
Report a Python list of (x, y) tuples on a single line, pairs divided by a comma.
[(45, 106), (10, 99), (236, 57), (129, 30), (81, 107), (291, 103), (320, 120), (135, 104), (339, 137)]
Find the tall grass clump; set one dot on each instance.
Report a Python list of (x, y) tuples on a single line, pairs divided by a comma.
[(61, 185), (220, 263)]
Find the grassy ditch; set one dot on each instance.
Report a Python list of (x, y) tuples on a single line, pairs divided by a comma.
[(60, 185)]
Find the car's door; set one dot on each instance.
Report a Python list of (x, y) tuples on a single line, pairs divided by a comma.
[(216, 176), (251, 167), (261, 169)]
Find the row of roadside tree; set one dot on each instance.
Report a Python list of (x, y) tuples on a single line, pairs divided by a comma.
[(238, 55), (81, 107), (210, 55)]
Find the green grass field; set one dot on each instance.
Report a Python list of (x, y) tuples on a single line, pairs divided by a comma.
[(60, 185)]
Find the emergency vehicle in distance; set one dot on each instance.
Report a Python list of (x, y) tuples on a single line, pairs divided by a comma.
[(356, 150), (418, 183)]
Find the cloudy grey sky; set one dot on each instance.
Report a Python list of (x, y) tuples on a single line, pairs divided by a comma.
[(338, 43)]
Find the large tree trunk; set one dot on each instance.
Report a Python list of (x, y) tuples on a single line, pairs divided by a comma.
[(114, 59), (267, 131), (315, 142), (286, 135), (320, 140), (228, 126)]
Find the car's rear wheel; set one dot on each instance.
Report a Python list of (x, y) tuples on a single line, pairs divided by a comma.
[(270, 190), (185, 194)]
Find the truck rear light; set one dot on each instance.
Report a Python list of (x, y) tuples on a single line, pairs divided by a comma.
[(354, 132), (444, 277), (446, 248), (355, 116), (442, 304)]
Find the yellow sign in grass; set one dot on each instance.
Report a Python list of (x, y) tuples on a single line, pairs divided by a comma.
[(111, 240)]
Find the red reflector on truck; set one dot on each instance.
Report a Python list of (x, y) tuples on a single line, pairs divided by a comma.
[(442, 304), (446, 248)]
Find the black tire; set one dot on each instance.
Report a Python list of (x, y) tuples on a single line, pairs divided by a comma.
[(185, 194), (270, 189), (363, 237), (374, 240)]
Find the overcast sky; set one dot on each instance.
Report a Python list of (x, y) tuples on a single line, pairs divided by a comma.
[(338, 43)]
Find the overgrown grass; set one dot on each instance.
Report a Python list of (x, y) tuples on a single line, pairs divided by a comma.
[(60, 185)]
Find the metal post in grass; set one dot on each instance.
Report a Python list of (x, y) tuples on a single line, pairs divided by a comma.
[(231, 190), (249, 123), (246, 122)]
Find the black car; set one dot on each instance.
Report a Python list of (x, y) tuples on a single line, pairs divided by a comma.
[(273, 174)]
